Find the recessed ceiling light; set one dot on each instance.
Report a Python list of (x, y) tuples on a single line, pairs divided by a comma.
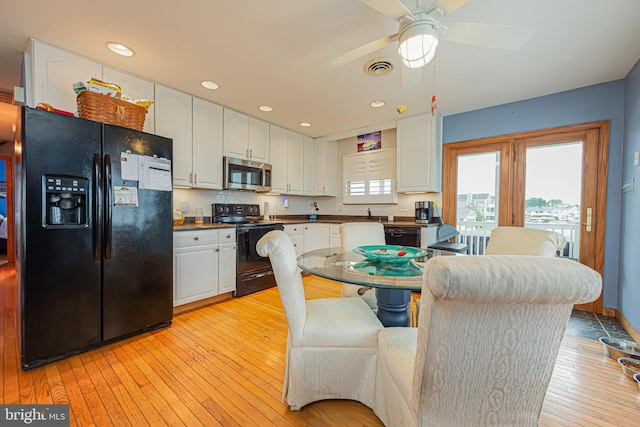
[(119, 48), (265, 108), (305, 124), (377, 103), (209, 85)]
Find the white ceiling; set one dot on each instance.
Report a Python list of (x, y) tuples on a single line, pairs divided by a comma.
[(276, 52)]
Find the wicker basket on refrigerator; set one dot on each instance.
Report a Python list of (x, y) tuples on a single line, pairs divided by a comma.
[(107, 109)]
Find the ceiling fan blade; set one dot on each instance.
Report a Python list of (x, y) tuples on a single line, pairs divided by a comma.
[(487, 35), (363, 50), (448, 5), (392, 8)]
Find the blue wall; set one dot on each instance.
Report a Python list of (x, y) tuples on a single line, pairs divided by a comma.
[(629, 276), (604, 101)]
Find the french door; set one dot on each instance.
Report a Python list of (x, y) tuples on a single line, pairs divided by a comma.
[(553, 179)]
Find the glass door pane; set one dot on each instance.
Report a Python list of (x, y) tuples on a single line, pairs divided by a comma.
[(478, 177), (553, 188)]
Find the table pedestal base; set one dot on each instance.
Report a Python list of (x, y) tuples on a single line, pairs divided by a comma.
[(393, 305)]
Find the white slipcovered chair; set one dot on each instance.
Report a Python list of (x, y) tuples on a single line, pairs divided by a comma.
[(524, 241), (521, 241), (332, 342), (353, 234), (486, 342)]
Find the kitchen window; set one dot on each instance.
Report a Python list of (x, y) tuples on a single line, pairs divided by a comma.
[(369, 177)]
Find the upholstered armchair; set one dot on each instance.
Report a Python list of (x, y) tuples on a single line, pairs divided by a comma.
[(524, 241), (486, 342), (332, 342), (353, 234)]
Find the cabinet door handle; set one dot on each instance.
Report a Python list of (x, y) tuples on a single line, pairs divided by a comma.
[(195, 178), (196, 238), (217, 250), (190, 177)]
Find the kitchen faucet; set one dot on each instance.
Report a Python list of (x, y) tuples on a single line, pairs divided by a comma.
[(368, 213)]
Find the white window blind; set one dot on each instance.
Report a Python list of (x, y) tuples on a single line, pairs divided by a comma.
[(369, 177)]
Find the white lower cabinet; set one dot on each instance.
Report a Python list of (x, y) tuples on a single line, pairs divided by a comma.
[(203, 264), (296, 234), (316, 236), (334, 236), (227, 261)]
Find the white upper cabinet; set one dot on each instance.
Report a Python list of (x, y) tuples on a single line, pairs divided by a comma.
[(278, 148), (325, 158), (236, 134), (207, 144), (135, 88), (287, 161), (309, 167), (295, 163), (258, 140), (174, 120), (245, 137), (418, 155), (53, 73)]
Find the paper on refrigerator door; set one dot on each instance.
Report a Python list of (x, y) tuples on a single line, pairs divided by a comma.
[(129, 166), (154, 173), (125, 196)]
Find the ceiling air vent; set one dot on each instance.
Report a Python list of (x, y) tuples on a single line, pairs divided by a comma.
[(6, 96), (378, 67)]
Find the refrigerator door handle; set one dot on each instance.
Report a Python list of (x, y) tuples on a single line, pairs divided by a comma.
[(108, 206), (97, 207)]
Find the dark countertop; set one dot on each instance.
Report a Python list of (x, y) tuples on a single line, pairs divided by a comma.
[(190, 225), (207, 226)]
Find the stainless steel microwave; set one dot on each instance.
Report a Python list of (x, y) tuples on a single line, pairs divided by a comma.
[(239, 174)]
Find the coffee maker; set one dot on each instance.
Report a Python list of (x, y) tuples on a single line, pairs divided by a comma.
[(424, 212)]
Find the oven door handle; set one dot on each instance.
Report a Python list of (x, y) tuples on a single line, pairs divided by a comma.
[(257, 275)]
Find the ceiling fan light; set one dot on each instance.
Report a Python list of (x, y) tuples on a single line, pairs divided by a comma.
[(417, 44)]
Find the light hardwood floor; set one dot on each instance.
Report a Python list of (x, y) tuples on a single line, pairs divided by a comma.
[(223, 365)]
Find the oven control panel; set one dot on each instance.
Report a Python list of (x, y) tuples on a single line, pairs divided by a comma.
[(235, 212)]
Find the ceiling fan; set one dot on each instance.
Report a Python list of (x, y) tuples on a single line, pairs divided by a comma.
[(420, 30)]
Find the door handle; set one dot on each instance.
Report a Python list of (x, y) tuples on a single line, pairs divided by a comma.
[(97, 208), (589, 220), (108, 207)]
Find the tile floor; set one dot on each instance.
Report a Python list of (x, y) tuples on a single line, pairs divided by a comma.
[(590, 325)]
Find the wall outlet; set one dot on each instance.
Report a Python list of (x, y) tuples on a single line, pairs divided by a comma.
[(403, 208), (629, 185), (636, 158)]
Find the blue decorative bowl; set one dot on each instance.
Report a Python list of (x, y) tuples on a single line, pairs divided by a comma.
[(396, 256)]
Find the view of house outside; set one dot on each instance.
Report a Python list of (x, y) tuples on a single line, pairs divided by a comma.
[(552, 194)]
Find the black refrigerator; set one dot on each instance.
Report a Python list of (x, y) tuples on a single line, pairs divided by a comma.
[(93, 263)]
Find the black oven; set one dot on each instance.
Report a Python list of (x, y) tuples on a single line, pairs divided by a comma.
[(253, 272)]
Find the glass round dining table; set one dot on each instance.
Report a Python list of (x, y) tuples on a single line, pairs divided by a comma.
[(393, 284)]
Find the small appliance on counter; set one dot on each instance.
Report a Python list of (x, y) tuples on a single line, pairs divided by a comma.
[(424, 212)]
